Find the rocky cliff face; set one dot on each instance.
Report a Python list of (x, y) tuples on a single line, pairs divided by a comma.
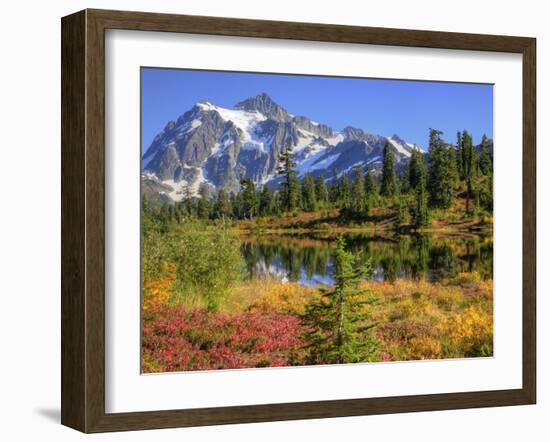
[(265, 105), (219, 147)]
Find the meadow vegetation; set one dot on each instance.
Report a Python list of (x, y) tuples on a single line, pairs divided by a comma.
[(228, 320), (205, 306)]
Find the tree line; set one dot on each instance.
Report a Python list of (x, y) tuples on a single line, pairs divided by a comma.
[(428, 181)]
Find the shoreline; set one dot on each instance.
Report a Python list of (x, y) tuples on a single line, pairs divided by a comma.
[(448, 231)]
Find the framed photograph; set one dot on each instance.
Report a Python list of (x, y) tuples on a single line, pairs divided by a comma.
[(267, 221)]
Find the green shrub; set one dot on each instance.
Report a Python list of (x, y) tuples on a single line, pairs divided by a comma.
[(207, 259)]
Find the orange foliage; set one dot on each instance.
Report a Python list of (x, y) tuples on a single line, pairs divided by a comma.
[(156, 292)]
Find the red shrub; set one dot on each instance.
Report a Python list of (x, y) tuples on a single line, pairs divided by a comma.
[(178, 339)]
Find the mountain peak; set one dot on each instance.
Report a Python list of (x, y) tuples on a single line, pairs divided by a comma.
[(397, 138), (218, 147), (203, 105), (264, 104), (353, 133), (263, 97)]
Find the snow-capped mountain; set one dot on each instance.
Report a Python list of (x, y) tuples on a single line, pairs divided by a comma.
[(218, 147)]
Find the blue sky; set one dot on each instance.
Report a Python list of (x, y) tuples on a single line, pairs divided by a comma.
[(382, 107)]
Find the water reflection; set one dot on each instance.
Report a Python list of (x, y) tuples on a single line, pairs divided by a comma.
[(308, 259)]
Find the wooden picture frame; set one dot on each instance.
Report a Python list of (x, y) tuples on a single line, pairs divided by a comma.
[(83, 220)]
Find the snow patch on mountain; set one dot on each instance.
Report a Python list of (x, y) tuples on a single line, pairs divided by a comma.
[(181, 188), (350, 168), (337, 138), (219, 148), (324, 163), (216, 149), (257, 142), (399, 147), (305, 139), (177, 192), (246, 121), (188, 126)]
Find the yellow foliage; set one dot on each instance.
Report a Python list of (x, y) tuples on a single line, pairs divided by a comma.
[(424, 347), (469, 329), (269, 295), (467, 279), (150, 365), (425, 320), (284, 298), (448, 298)]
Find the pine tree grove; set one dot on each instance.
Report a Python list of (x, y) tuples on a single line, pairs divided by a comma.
[(389, 178), (432, 180)]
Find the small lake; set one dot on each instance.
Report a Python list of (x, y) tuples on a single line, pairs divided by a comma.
[(308, 260)]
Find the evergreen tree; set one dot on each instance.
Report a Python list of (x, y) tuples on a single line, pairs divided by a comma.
[(403, 216), (460, 155), (171, 213), (182, 208), (267, 202), (321, 191), (249, 198), (164, 217), (358, 191), (192, 206), (178, 215), (389, 179), (338, 328), (470, 167), (440, 175), (189, 201), (334, 192), (295, 193), (404, 186), (144, 205), (371, 188), (422, 215), (417, 169), (290, 186), (484, 193), (485, 163), (180, 212), (205, 204), (344, 192), (309, 197), (453, 171), (234, 201), (469, 156), (222, 207), (277, 204)]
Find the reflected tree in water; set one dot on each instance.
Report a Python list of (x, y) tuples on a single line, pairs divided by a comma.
[(399, 257)]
